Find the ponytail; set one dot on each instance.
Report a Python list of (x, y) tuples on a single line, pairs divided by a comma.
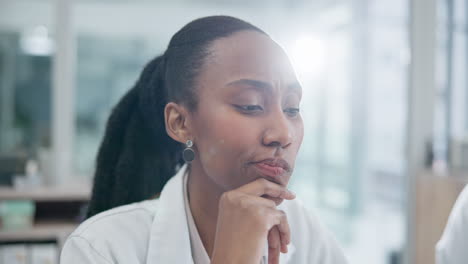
[(136, 157)]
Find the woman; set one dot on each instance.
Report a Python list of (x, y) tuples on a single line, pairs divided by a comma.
[(220, 110)]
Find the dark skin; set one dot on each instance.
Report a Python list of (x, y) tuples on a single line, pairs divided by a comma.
[(248, 100)]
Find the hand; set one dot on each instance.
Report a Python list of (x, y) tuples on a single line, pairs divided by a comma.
[(246, 220)]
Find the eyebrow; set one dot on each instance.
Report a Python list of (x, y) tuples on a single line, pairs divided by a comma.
[(261, 85)]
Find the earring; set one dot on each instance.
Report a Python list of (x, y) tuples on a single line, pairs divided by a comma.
[(188, 154)]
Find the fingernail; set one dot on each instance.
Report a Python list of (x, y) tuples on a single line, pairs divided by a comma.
[(285, 249), (291, 192)]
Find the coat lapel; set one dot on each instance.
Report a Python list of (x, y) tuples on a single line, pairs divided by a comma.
[(169, 240)]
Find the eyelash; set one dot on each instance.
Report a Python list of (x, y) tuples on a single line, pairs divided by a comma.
[(292, 112), (248, 108)]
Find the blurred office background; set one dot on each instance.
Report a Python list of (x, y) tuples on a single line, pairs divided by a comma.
[(385, 108)]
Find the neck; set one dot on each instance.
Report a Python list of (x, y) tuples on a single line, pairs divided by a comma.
[(203, 196)]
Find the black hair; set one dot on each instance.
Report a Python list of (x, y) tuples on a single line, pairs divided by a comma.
[(137, 157)]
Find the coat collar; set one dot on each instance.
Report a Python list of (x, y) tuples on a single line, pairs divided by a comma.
[(169, 240)]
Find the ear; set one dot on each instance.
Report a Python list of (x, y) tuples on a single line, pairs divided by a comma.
[(177, 122)]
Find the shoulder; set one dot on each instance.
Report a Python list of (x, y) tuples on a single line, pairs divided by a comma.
[(131, 216), (452, 245), (457, 224), (106, 234), (461, 205)]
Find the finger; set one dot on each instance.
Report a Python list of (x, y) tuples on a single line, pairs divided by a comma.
[(284, 230), (262, 201), (262, 186), (276, 200), (274, 245)]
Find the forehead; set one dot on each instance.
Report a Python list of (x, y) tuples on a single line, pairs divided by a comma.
[(248, 54)]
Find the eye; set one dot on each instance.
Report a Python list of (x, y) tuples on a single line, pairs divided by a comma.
[(292, 112), (250, 109)]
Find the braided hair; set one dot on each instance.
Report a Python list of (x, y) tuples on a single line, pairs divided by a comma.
[(136, 157)]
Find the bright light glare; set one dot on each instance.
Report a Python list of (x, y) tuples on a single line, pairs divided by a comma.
[(37, 42), (307, 57)]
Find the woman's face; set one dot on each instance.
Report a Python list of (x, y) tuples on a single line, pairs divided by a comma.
[(247, 124)]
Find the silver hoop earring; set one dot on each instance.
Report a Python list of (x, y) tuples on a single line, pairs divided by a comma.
[(188, 154)]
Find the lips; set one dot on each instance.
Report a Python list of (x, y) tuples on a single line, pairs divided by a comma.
[(273, 169), (277, 163)]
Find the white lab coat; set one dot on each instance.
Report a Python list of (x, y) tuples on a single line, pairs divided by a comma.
[(453, 246), (156, 231)]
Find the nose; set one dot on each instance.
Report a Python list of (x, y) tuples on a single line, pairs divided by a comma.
[(278, 131)]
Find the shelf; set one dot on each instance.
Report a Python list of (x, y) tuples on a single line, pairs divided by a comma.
[(62, 193), (56, 208), (56, 231)]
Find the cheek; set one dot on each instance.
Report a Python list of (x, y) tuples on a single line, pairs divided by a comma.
[(224, 140), (299, 133), (220, 137), (298, 136)]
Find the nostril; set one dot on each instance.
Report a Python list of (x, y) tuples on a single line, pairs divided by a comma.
[(277, 138)]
